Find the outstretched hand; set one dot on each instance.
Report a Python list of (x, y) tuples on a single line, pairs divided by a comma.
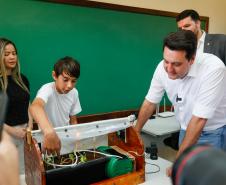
[(51, 143)]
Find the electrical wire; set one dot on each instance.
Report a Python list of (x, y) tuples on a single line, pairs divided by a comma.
[(108, 155), (150, 172), (76, 158), (147, 163), (151, 164), (63, 165)]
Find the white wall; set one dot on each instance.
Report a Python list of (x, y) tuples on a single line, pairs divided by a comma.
[(214, 9)]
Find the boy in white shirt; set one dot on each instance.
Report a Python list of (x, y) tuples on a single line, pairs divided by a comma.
[(57, 103)]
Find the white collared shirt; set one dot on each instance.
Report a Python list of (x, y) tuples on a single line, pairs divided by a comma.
[(202, 92), (200, 46)]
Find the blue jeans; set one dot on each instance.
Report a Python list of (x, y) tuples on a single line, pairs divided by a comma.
[(216, 138)]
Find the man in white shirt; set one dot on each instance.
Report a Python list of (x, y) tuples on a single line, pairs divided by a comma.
[(196, 86), (207, 43)]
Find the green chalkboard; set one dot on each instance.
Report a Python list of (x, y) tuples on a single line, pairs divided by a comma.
[(118, 50)]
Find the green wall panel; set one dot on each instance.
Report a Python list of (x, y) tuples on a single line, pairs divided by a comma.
[(118, 51)]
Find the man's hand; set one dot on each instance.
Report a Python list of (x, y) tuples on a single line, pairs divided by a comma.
[(146, 111), (51, 143), (193, 132), (169, 171)]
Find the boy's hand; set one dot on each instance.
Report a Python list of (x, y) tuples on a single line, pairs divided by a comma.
[(51, 143)]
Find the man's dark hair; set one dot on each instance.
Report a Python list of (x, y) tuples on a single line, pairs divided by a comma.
[(196, 162), (182, 40), (188, 13), (67, 65)]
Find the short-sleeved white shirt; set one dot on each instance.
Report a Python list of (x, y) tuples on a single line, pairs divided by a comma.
[(202, 92), (59, 106)]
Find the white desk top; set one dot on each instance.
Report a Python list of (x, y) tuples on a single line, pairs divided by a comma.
[(160, 177), (161, 126), (22, 179)]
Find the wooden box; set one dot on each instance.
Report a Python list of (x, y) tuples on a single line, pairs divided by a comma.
[(35, 173)]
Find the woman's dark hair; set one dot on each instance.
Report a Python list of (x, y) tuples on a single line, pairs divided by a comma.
[(182, 40), (67, 65)]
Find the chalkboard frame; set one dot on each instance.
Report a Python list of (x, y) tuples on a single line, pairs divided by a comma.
[(95, 4)]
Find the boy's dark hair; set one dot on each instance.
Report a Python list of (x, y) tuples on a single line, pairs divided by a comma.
[(188, 13), (67, 65), (182, 40)]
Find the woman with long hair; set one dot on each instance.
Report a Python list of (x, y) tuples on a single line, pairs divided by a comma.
[(16, 86)]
